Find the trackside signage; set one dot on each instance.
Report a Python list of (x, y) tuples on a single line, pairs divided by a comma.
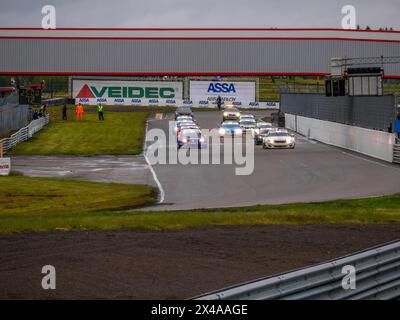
[(232, 92), (5, 166), (125, 92)]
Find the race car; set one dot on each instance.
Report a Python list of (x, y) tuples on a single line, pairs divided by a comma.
[(279, 139), (262, 123), (180, 123), (231, 113), (183, 111), (230, 128), (246, 117), (248, 125), (261, 132), (184, 117), (191, 137)]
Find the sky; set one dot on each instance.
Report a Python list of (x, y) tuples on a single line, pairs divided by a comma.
[(203, 13)]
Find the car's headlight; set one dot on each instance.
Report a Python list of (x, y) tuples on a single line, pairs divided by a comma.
[(225, 114), (184, 140), (257, 131), (238, 131), (202, 139), (237, 114), (289, 140), (222, 131)]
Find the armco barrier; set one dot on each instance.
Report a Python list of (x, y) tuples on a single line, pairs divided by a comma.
[(25, 133), (376, 144), (377, 276)]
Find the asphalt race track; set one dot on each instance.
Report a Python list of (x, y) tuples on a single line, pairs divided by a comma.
[(311, 172)]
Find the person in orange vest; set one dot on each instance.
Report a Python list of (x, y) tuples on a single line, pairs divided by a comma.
[(79, 111)]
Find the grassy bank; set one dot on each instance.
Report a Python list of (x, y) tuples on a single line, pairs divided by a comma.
[(37, 201), (30, 205), (120, 133)]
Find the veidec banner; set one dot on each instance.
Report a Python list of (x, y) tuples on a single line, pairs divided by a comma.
[(230, 91), (110, 90)]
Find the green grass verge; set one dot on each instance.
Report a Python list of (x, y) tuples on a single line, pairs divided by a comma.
[(36, 204), (120, 133)]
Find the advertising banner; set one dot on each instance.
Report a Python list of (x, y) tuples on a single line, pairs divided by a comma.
[(231, 92), (5, 166), (125, 92), (177, 103)]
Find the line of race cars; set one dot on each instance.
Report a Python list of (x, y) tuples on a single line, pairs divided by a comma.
[(188, 132), (234, 125)]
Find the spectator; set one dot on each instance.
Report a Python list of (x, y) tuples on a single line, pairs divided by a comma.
[(41, 111), (64, 112), (390, 128)]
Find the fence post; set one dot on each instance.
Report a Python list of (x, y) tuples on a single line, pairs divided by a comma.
[(1, 150)]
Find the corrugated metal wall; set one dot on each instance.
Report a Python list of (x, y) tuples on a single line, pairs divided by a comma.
[(367, 112), (184, 56)]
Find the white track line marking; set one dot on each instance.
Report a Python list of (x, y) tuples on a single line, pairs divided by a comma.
[(159, 186), (368, 160)]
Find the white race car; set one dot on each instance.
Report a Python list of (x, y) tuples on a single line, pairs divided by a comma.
[(231, 113), (279, 139)]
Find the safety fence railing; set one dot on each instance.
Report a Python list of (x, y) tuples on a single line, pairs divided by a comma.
[(370, 274), (24, 133), (396, 151)]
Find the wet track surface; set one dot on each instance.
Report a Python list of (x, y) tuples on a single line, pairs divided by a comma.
[(118, 169), (311, 172)]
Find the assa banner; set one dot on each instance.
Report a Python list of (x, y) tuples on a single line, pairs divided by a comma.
[(229, 91), (118, 92)]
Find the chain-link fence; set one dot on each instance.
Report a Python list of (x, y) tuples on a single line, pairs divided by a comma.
[(377, 113), (25, 133), (12, 115)]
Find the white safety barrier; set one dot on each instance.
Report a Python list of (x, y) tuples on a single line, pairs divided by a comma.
[(376, 144), (174, 103), (24, 133)]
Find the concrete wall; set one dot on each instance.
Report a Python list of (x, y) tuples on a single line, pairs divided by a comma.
[(376, 144)]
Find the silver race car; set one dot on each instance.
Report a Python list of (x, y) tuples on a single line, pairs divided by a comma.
[(231, 113), (279, 139)]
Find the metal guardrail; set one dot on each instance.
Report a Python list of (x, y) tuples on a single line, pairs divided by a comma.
[(24, 133), (377, 277)]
